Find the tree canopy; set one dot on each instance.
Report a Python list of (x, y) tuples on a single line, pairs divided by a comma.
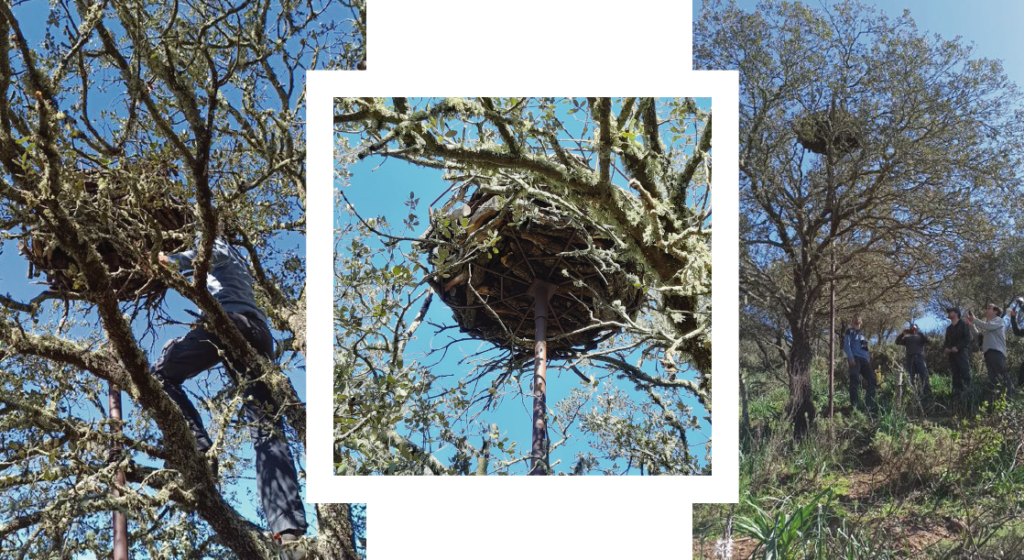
[(114, 115), (636, 170)]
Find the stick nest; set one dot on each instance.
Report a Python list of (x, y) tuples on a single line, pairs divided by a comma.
[(814, 131), (486, 254), (117, 215)]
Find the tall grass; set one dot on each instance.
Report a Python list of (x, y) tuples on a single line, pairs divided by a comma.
[(953, 473)]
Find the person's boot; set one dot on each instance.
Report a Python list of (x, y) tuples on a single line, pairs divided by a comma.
[(292, 546)]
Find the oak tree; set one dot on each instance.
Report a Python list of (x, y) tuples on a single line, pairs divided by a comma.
[(635, 169), (113, 116), (863, 139)]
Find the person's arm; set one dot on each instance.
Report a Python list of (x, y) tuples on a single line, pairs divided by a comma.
[(900, 339), (185, 259), (1013, 323), (983, 325), (846, 346), (182, 260), (924, 338)]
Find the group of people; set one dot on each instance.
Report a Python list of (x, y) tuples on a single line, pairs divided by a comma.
[(957, 346)]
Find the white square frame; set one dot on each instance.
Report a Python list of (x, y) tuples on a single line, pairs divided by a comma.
[(323, 485)]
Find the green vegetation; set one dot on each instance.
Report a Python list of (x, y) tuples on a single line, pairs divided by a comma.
[(944, 481)]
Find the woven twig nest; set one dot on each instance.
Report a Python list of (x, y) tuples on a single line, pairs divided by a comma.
[(814, 130), (114, 212), (486, 254)]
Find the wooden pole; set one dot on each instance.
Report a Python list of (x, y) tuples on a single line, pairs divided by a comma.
[(832, 340), (542, 292), (119, 520)]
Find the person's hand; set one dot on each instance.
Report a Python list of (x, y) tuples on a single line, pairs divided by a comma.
[(954, 350), (1013, 312), (851, 362), (163, 258)]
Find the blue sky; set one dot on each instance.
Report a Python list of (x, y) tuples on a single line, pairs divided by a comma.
[(379, 188), (992, 27)]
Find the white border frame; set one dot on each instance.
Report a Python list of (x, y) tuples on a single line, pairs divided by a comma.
[(593, 517), (323, 486)]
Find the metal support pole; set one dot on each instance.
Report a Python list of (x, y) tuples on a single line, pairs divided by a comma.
[(542, 292), (119, 520), (832, 343)]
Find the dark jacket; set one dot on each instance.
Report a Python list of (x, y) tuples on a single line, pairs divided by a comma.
[(958, 336), (1013, 323), (914, 343), (228, 279), (855, 344)]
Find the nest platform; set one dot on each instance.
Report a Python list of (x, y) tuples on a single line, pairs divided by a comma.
[(493, 250), (114, 209), (814, 130)]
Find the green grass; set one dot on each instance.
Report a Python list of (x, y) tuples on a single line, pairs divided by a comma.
[(939, 482)]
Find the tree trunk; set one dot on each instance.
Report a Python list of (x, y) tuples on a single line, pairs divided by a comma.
[(801, 404), (899, 385), (334, 539), (745, 404)]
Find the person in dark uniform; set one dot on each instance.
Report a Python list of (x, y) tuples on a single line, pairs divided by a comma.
[(185, 357), (1018, 330), (956, 345), (914, 341)]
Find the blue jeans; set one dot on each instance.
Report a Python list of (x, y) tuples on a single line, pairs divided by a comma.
[(276, 478)]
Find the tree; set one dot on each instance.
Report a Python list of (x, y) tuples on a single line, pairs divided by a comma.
[(862, 136), (636, 169), (112, 115)]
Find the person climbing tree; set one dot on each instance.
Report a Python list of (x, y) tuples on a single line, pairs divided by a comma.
[(185, 357), (856, 346)]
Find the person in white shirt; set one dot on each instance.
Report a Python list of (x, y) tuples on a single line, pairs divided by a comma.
[(993, 345)]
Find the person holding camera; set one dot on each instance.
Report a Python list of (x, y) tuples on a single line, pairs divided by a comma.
[(993, 345), (914, 341), (957, 344), (855, 344), (1018, 330)]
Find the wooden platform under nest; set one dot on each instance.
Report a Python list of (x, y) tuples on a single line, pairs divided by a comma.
[(112, 210), (814, 131), (497, 248)]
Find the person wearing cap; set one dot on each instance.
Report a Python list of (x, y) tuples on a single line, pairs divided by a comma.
[(993, 345), (914, 341), (855, 344), (956, 346), (229, 281)]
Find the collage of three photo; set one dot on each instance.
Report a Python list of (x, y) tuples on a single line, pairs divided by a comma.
[(253, 306)]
